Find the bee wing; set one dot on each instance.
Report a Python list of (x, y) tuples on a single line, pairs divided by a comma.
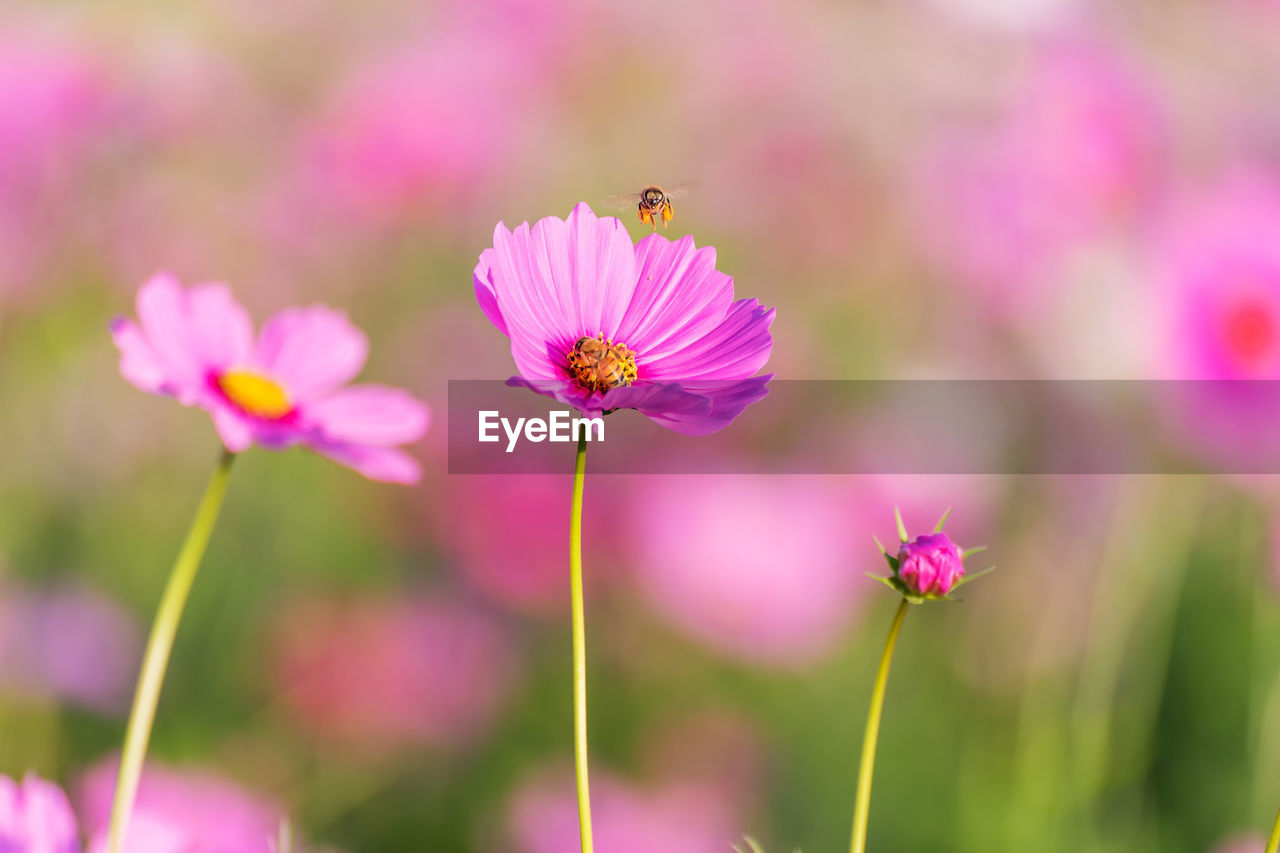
[(680, 190), (621, 202)]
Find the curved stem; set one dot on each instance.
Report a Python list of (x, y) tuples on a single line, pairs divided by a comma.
[(156, 657), (862, 805), (579, 649), (1274, 844)]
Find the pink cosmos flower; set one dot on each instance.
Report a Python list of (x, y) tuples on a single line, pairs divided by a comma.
[(35, 817), (1218, 273), (600, 323), (393, 673), (179, 812), (930, 564), (782, 595), (1215, 278), (284, 389), (421, 124), (56, 108), (1076, 156), (669, 817)]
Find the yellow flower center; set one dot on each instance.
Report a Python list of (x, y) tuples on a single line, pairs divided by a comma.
[(255, 394)]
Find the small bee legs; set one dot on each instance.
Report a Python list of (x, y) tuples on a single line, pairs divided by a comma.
[(667, 214), (646, 217)]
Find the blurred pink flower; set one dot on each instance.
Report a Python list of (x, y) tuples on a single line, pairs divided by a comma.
[(1215, 294), (35, 817), (384, 673), (762, 568), (930, 564), (55, 110), (70, 642), (1217, 272), (286, 389), (421, 129), (179, 811), (688, 351), (1079, 154), (524, 568), (671, 818)]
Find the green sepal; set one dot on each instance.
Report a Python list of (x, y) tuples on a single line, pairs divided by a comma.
[(902, 528), (753, 846), (973, 577), (897, 585), (969, 552), (891, 582), (937, 528), (888, 558)]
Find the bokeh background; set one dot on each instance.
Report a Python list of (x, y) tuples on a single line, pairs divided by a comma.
[(930, 188)]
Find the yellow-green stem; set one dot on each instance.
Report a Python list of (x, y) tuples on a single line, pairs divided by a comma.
[(579, 649), (862, 804), (1274, 844), (156, 657)]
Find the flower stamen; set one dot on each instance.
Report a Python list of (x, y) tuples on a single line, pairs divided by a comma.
[(255, 394), (598, 365)]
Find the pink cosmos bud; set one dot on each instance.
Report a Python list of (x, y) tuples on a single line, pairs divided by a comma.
[(930, 564)]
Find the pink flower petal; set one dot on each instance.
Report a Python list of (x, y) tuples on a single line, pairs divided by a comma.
[(221, 331), (384, 464), (35, 817), (556, 282), (311, 351), (164, 317), (139, 363), (235, 431), (727, 400), (370, 414), (484, 291), (680, 296), (149, 834), (735, 349)]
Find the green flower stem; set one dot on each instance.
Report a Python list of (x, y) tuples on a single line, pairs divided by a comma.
[(579, 649), (156, 657), (862, 805), (1274, 844)]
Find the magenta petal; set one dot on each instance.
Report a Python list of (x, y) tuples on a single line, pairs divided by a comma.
[(35, 816), (726, 401), (221, 331), (656, 400), (235, 431), (139, 363), (680, 296), (484, 291), (163, 316), (564, 390), (558, 281), (311, 351), (735, 349), (384, 464), (370, 414)]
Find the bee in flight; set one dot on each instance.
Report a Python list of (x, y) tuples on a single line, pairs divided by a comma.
[(653, 203)]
